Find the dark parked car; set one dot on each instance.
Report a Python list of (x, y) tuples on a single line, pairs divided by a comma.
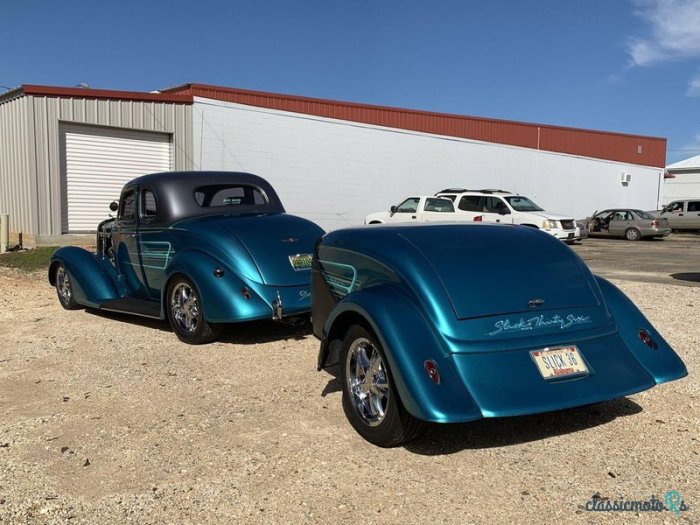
[(628, 223), (197, 248), (452, 323)]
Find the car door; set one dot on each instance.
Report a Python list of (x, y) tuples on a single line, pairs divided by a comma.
[(674, 212), (600, 223), (495, 210), (619, 222), (407, 211), (437, 209), (690, 219), (155, 246), (125, 241)]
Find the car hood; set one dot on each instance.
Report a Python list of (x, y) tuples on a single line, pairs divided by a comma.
[(550, 216)]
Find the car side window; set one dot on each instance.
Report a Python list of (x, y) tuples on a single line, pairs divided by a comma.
[(675, 207), (469, 203), (439, 205), (693, 205), (493, 205), (127, 207), (148, 206), (410, 205)]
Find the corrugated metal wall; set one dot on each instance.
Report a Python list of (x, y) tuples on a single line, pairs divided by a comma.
[(40, 158), (17, 186), (634, 149)]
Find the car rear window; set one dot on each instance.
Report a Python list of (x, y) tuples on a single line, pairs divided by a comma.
[(232, 195), (644, 215)]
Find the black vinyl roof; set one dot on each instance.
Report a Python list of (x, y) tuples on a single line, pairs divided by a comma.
[(175, 193)]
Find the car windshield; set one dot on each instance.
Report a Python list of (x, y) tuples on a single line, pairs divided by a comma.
[(644, 215), (522, 204)]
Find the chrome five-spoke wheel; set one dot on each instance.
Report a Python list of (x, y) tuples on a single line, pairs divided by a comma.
[(370, 400), (64, 290), (367, 381), (186, 313), (185, 308)]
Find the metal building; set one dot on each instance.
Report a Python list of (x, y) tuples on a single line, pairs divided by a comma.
[(335, 162), (683, 181), (65, 153)]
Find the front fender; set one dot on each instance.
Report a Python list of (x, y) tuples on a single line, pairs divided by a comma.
[(408, 341), (662, 363), (91, 282), (222, 299)]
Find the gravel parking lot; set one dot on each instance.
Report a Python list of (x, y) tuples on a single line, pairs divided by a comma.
[(109, 419)]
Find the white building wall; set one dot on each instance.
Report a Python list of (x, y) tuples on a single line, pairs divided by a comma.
[(684, 186), (335, 172)]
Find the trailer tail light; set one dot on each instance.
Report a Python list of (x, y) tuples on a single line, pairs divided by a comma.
[(431, 369), (647, 340)]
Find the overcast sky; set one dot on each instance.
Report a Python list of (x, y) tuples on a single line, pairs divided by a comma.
[(618, 65)]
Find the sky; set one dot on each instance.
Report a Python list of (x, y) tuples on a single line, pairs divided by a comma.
[(629, 66)]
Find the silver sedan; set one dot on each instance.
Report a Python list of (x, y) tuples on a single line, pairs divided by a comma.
[(628, 223)]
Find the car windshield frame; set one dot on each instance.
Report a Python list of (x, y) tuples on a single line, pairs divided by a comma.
[(531, 207)]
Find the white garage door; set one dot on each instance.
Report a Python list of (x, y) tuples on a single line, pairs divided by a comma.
[(97, 162)]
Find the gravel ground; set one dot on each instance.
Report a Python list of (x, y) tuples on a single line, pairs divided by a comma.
[(109, 419)]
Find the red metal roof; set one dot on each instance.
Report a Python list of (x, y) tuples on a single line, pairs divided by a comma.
[(52, 91), (620, 147)]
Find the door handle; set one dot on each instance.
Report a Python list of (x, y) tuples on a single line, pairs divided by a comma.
[(413, 217)]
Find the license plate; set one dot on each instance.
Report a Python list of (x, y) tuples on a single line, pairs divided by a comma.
[(563, 361), (300, 261)]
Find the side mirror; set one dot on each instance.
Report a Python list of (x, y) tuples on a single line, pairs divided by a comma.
[(113, 206), (392, 210)]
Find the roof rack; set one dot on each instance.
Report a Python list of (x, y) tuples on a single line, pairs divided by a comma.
[(462, 190)]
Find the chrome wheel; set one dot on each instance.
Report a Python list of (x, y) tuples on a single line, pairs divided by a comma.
[(63, 286), (367, 381), (185, 308)]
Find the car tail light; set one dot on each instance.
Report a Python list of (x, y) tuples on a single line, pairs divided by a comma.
[(479, 218), (654, 224), (647, 340), (432, 370)]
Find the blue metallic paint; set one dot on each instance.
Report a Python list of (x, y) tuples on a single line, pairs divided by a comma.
[(250, 250), (485, 374)]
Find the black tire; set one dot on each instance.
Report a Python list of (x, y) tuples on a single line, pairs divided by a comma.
[(64, 288), (379, 416), (183, 305), (632, 234)]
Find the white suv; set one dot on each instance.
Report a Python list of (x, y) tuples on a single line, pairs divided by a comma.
[(510, 208)]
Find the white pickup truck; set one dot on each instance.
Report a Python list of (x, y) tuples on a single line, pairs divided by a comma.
[(417, 209)]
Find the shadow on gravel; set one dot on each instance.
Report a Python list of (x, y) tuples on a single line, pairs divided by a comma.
[(440, 439), (692, 277), (247, 333)]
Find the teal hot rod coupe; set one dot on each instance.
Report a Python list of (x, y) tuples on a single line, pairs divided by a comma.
[(450, 323), (197, 248)]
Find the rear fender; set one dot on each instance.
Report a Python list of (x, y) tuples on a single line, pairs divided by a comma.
[(92, 282), (222, 299), (408, 342), (662, 363)]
